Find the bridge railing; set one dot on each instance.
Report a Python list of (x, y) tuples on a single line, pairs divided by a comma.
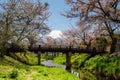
[(55, 48), (67, 48)]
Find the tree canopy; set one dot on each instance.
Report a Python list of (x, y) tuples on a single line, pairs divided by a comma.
[(22, 19), (101, 15)]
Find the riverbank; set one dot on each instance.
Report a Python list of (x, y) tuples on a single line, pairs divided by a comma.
[(105, 67), (11, 69)]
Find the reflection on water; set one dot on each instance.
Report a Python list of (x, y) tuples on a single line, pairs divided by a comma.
[(50, 63)]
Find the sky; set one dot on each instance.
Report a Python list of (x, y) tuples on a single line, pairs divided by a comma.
[(56, 21)]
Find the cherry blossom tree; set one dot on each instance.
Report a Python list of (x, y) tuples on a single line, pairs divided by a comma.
[(97, 14), (21, 19)]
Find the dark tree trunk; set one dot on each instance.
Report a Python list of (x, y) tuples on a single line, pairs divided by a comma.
[(68, 61), (39, 58), (112, 36), (16, 57), (1, 56), (113, 45)]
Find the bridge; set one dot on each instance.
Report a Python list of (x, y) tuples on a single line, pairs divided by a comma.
[(65, 50)]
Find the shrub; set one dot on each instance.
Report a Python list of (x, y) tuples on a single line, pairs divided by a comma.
[(14, 73), (108, 65)]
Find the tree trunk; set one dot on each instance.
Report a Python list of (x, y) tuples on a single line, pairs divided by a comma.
[(1, 56), (16, 57), (113, 45), (39, 58), (68, 61)]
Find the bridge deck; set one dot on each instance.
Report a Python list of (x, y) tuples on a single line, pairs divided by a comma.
[(66, 50), (55, 49)]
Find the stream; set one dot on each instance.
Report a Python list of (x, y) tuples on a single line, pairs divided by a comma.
[(50, 63)]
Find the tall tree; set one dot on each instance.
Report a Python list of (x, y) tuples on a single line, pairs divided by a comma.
[(72, 37), (20, 19), (97, 13)]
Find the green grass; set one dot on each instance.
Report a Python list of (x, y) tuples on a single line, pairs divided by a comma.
[(107, 65), (35, 73), (11, 69), (29, 57), (76, 59), (61, 59)]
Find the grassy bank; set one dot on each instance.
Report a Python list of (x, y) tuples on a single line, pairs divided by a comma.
[(103, 67), (11, 69), (76, 59)]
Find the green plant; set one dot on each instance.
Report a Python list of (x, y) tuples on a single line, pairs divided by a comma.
[(14, 73), (45, 74), (10, 69), (60, 59), (108, 65)]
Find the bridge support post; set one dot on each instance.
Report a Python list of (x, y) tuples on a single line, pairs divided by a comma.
[(39, 58), (68, 61)]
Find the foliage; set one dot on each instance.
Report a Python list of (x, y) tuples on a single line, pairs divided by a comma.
[(25, 72), (60, 59), (77, 59), (97, 16), (31, 58), (107, 65), (21, 22), (14, 73), (49, 56), (86, 75), (27, 57)]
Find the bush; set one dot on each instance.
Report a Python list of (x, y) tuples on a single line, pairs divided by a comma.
[(108, 65), (61, 59), (77, 59), (14, 73)]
